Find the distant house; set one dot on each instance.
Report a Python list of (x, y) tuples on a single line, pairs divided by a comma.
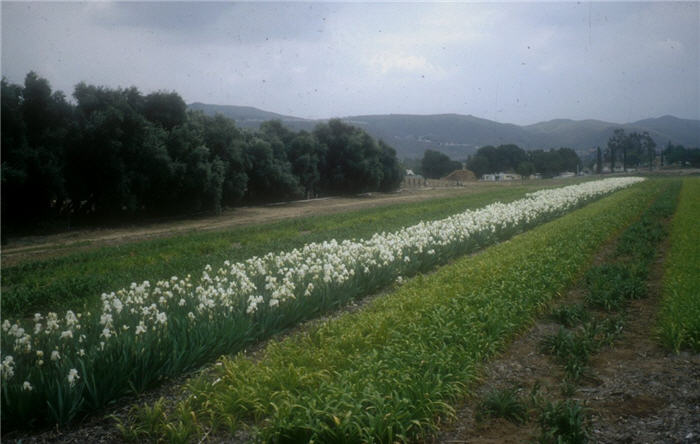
[(566, 174), (500, 177), (411, 180)]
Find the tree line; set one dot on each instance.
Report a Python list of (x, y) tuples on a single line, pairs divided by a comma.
[(117, 154), (636, 150), (512, 158), (680, 155), (629, 150), (503, 158)]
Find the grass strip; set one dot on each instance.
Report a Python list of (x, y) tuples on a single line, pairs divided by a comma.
[(679, 320), (76, 280), (389, 372)]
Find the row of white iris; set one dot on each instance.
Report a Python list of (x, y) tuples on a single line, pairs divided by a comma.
[(145, 313)]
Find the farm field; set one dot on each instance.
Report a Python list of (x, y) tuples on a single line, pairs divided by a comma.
[(376, 374), (392, 370), (148, 332), (66, 272)]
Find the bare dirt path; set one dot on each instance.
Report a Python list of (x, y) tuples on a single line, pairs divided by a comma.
[(38, 247)]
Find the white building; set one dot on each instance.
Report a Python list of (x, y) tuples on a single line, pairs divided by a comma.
[(500, 176)]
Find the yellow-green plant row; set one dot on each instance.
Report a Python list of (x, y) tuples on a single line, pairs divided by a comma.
[(679, 323), (388, 372)]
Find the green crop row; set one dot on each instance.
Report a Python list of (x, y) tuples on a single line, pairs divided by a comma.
[(77, 280), (390, 371), (610, 286), (679, 321), (583, 331)]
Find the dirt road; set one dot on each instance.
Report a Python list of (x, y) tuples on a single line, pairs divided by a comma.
[(38, 247)]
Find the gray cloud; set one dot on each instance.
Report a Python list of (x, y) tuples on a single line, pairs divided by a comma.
[(230, 23), (518, 63)]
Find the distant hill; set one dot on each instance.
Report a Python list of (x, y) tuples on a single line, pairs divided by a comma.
[(683, 131), (246, 116), (460, 135), (453, 134)]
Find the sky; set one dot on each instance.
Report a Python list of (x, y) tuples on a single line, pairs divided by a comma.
[(518, 63)]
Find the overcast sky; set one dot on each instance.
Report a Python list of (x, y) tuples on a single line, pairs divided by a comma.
[(519, 63)]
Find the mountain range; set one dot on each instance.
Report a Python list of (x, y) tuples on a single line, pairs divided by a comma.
[(460, 135)]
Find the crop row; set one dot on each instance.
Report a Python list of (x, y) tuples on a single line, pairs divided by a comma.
[(388, 373), (610, 286), (78, 278), (57, 366), (679, 323)]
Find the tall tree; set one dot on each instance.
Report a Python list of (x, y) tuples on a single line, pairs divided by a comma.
[(352, 161), (479, 164), (615, 143), (599, 161), (525, 168), (648, 146), (226, 144), (490, 159), (436, 164), (118, 165), (270, 178), (36, 123), (166, 109), (392, 171), (306, 156)]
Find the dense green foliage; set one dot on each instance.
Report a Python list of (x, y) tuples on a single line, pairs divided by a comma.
[(679, 321), (388, 372), (118, 155), (435, 165), (79, 278), (511, 158), (681, 156), (631, 150)]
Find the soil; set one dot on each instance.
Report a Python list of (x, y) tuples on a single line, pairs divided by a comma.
[(637, 392), (22, 249)]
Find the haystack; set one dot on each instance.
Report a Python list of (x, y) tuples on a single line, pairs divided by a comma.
[(461, 176)]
